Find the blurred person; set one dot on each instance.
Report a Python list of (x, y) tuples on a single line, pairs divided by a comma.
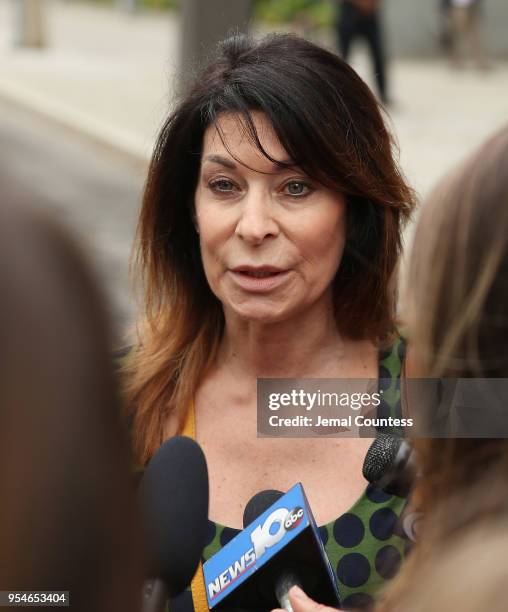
[(469, 574), (268, 238), (445, 27), (457, 316), (460, 561), (458, 326), (67, 517), (362, 19), (466, 26)]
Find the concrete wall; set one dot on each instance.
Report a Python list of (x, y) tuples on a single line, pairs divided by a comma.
[(412, 27)]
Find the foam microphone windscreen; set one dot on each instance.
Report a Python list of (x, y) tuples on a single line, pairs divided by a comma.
[(174, 501), (258, 504), (390, 464), (380, 457)]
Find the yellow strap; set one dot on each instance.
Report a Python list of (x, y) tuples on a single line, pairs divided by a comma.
[(189, 426), (198, 583)]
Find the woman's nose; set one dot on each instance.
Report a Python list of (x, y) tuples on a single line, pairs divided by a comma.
[(256, 222)]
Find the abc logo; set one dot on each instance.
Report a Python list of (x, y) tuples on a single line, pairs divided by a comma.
[(293, 518)]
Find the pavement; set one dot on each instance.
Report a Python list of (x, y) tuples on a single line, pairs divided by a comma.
[(111, 77), (92, 190), (104, 72)]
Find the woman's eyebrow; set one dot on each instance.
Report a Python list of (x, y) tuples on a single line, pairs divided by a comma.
[(224, 161)]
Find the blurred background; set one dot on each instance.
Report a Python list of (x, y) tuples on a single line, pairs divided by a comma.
[(85, 86)]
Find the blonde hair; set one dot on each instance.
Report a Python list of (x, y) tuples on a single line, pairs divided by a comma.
[(455, 306), (469, 575), (458, 326)]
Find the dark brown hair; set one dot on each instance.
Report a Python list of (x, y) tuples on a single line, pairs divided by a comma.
[(330, 124)]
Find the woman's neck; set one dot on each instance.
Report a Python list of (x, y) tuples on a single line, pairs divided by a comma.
[(297, 347)]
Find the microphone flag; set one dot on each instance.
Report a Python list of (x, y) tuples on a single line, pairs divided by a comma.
[(284, 540)]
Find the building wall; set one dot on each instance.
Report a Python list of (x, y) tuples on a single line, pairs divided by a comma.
[(412, 27)]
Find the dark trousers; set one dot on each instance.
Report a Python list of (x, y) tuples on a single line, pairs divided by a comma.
[(355, 24)]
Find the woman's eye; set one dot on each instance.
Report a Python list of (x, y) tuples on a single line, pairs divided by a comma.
[(222, 186), (297, 188)]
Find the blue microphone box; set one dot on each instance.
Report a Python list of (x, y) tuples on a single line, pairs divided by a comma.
[(283, 541)]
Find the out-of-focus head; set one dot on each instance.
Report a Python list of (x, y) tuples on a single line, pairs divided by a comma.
[(285, 113), (458, 326), (467, 574), (457, 312), (67, 517), (458, 277)]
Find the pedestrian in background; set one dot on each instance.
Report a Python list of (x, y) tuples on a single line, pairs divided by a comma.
[(466, 31), (362, 19), (445, 26)]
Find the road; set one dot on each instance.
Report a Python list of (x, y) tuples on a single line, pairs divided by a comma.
[(93, 190)]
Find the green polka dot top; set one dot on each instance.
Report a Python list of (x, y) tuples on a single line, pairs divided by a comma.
[(367, 544)]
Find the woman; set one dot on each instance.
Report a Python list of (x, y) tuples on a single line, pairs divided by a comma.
[(458, 327), (269, 234)]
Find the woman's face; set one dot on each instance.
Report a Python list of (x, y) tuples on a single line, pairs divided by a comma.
[(271, 238)]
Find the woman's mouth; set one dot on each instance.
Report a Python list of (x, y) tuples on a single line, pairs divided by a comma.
[(259, 279)]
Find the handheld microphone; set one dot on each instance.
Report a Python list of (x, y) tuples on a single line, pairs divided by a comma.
[(258, 504), (390, 464), (254, 508), (279, 549), (174, 501)]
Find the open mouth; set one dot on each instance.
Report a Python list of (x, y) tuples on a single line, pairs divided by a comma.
[(259, 274), (259, 280)]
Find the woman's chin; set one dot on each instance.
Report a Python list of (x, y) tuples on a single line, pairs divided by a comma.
[(259, 313)]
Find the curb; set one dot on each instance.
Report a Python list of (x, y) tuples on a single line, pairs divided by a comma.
[(76, 121)]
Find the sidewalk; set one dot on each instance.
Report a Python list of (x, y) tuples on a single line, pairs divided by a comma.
[(111, 76), (105, 73)]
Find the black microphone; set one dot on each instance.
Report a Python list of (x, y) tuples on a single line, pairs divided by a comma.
[(390, 464), (258, 504), (174, 501), (286, 578)]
